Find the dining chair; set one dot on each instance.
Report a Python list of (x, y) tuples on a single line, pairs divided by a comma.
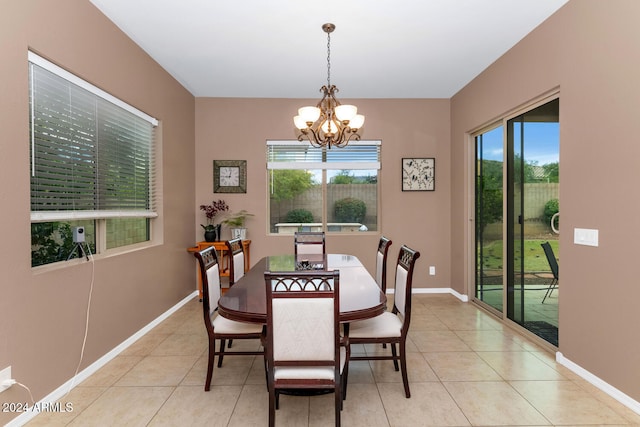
[(235, 249), (304, 349), (381, 262), (553, 265), (390, 327), (218, 327), (309, 242)]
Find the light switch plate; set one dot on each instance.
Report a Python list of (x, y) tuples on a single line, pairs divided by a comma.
[(585, 236)]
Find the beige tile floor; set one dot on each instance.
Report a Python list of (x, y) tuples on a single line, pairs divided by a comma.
[(465, 368)]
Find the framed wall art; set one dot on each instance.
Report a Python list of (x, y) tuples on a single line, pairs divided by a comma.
[(418, 174), (229, 176)]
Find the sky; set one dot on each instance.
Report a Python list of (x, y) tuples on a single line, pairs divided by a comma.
[(541, 143)]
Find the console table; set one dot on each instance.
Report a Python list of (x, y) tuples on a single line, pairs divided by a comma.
[(223, 258)]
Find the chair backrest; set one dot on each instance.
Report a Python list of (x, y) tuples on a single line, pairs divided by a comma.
[(551, 258), (309, 242), (210, 277), (235, 249), (404, 278), (303, 326), (381, 262)]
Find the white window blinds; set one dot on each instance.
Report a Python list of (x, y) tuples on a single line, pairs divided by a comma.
[(91, 154), (301, 155)]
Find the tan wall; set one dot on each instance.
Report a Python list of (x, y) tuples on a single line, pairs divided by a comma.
[(589, 50), (43, 313), (237, 129), (586, 49)]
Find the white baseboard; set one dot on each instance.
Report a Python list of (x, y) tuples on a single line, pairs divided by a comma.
[(461, 297), (91, 369), (597, 382)]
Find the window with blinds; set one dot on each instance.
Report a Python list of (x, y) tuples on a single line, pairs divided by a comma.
[(302, 155), (92, 158), (317, 189)]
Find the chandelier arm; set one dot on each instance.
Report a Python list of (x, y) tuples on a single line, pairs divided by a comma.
[(352, 135), (339, 137), (325, 95), (302, 135), (314, 138)]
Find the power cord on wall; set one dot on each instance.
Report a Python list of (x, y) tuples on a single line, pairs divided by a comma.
[(10, 382), (5, 384), (86, 324)]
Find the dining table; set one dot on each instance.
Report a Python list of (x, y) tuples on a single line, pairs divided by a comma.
[(360, 296)]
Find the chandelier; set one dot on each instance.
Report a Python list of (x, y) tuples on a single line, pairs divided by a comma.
[(329, 123)]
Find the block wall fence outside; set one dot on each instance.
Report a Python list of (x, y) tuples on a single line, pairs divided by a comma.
[(311, 200), (126, 231), (536, 195)]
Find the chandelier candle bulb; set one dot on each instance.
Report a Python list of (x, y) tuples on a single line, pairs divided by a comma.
[(309, 114), (346, 112), (357, 121), (329, 127), (300, 122)]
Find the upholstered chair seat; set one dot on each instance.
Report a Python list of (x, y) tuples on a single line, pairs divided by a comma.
[(385, 325), (222, 325)]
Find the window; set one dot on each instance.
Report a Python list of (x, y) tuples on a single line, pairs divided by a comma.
[(319, 189), (91, 165)]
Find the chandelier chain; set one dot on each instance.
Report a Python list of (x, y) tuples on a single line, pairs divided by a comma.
[(329, 59)]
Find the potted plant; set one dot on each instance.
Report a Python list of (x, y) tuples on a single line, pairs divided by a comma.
[(236, 221), (212, 230)]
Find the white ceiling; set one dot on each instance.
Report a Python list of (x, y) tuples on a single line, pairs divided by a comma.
[(277, 49)]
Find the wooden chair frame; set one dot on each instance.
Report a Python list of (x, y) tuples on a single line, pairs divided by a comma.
[(234, 247), (208, 259), (381, 262)]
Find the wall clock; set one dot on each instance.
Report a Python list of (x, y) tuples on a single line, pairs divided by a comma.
[(418, 174), (229, 176)]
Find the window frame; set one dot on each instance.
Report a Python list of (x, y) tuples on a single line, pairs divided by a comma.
[(323, 164), (150, 148)]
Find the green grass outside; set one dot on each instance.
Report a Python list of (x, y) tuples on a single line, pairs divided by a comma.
[(535, 260)]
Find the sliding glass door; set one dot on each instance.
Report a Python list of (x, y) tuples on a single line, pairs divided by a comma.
[(516, 197), (532, 199)]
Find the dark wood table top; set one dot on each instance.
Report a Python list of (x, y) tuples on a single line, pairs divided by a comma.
[(360, 296)]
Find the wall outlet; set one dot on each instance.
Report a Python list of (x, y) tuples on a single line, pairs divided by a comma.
[(5, 374), (432, 270)]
